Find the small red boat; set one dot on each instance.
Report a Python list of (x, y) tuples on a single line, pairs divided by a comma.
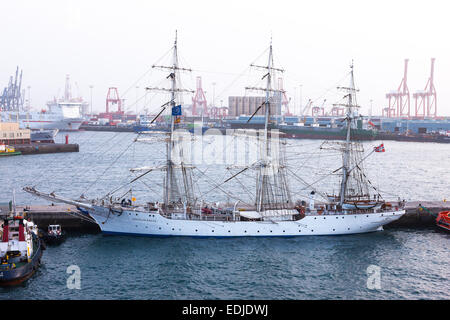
[(443, 220)]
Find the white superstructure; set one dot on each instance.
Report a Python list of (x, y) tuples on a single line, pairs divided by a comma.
[(64, 116)]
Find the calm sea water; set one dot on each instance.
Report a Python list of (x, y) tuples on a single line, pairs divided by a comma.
[(413, 264)]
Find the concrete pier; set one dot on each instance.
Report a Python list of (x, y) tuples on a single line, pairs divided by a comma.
[(418, 214), (65, 215), (38, 148)]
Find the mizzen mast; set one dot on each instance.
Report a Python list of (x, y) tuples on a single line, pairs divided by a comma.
[(347, 150)]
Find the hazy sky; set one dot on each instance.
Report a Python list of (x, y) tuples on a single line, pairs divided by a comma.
[(114, 43)]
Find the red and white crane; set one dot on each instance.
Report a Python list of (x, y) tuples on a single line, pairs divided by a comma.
[(199, 100), (425, 100), (399, 100)]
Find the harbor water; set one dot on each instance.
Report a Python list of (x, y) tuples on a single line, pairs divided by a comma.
[(410, 263)]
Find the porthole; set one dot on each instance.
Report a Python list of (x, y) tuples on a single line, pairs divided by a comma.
[(212, 230), (270, 230), (324, 218), (348, 228), (284, 230), (245, 231), (312, 230), (258, 231), (159, 228), (229, 231), (196, 230), (367, 216), (334, 229), (173, 228)]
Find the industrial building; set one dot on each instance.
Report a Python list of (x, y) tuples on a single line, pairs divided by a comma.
[(11, 134), (247, 105)]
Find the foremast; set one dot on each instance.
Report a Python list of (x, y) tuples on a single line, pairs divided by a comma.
[(171, 192)]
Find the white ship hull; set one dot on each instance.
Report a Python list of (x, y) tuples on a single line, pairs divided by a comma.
[(63, 116), (49, 124), (153, 224)]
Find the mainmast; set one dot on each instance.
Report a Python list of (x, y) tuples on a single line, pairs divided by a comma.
[(264, 164), (267, 191)]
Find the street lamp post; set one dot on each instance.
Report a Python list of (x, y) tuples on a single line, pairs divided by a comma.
[(214, 93), (91, 87), (137, 91), (301, 102), (29, 98)]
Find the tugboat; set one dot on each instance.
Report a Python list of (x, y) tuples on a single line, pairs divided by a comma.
[(8, 151), (54, 234), (20, 250), (443, 220)]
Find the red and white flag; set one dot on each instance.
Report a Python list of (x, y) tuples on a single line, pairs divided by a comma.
[(380, 148)]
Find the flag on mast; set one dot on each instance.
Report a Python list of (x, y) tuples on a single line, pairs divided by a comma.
[(380, 148), (176, 110)]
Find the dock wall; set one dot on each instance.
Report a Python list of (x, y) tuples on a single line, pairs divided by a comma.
[(39, 148)]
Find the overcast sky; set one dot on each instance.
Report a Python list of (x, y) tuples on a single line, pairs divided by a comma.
[(115, 42)]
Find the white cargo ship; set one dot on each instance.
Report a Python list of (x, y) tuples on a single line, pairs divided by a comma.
[(64, 114)]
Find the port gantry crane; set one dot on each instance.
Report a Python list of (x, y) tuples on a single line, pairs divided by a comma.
[(399, 100), (425, 100)]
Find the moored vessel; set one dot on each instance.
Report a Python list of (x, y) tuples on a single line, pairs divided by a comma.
[(20, 250), (6, 150), (54, 235), (43, 136), (64, 114), (273, 212), (443, 220)]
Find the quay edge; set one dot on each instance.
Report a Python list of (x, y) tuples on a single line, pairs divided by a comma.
[(40, 148)]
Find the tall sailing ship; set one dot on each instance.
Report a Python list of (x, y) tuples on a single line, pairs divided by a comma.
[(273, 211)]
